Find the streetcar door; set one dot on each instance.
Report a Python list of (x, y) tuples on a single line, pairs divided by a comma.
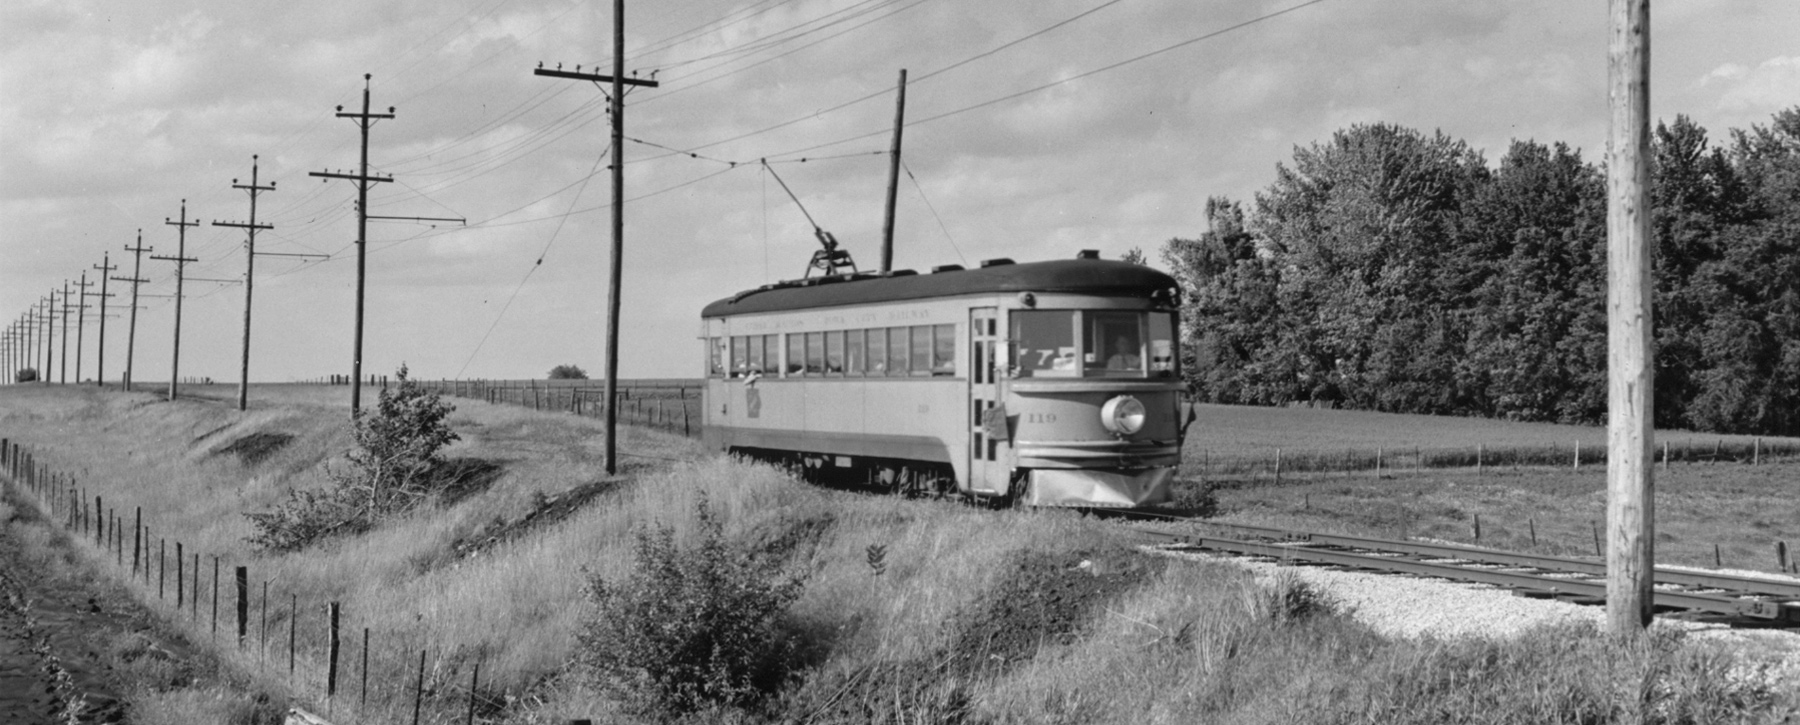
[(990, 447)]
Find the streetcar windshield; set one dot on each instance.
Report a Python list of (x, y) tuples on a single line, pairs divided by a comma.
[(1094, 343)]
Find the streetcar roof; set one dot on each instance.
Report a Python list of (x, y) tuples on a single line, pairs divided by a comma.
[(1071, 276)]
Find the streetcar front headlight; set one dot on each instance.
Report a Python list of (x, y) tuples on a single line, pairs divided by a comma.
[(1123, 415)]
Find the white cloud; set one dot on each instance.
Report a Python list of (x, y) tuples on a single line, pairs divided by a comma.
[(1772, 85)]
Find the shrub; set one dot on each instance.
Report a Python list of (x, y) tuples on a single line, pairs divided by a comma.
[(1288, 599), (567, 372), (25, 375), (691, 629), (394, 467)]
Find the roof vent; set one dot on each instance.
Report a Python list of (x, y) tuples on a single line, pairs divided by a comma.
[(996, 262), (1088, 254), (946, 268), (902, 273)]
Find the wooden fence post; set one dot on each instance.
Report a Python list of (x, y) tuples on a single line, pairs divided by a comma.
[(243, 604), (332, 666)]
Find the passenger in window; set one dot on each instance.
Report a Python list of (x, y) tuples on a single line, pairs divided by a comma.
[(1125, 355)]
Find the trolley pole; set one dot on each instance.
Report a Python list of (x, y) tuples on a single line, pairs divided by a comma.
[(1630, 477), (887, 224), (617, 97)]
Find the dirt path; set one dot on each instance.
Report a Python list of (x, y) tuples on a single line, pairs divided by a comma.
[(70, 645)]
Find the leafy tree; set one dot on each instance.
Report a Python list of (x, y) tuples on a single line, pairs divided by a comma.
[(1388, 269), (1364, 228), (1538, 333), (568, 372), (394, 467)]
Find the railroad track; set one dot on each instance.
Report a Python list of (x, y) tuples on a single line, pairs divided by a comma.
[(1697, 595)]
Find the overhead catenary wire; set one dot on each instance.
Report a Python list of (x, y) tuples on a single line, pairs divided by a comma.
[(1060, 81), (914, 81), (934, 213), (545, 252)]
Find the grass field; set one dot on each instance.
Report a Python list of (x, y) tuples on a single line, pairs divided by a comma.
[(1233, 440), (977, 615)]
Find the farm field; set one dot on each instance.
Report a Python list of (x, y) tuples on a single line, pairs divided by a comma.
[(966, 615)]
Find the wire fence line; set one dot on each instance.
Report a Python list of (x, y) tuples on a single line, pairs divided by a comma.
[(666, 404), (366, 675), (1276, 462)]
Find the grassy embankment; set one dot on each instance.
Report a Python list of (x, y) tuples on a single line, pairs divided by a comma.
[(977, 615)]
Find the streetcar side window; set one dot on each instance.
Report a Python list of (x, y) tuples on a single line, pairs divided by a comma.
[(770, 361), (716, 356), (877, 352), (898, 346), (834, 352), (796, 354), (921, 349), (853, 352), (943, 351), (815, 353), (740, 356)]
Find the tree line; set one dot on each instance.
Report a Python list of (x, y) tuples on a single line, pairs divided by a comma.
[(1389, 269)]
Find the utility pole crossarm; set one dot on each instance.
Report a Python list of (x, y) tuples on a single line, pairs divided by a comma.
[(458, 220), (595, 77), (352, 177)]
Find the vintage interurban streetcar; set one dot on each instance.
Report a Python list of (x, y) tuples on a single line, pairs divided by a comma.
[(1047, 383)]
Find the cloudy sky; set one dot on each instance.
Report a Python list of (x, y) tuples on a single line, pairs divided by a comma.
[(1053, 126)]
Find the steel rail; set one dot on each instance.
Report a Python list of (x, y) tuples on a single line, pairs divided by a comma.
[(1760, 609), (1664, 575)]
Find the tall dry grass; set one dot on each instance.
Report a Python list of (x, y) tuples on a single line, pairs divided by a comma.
[(1199, 643)]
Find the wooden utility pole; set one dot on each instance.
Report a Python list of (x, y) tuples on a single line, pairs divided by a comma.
[(887, 224), (136, 278), (363, 120), (63, 369), (181, 259), (249, 275), (1630, 476), (618, 81), (49, 336), (106, 269), (80, 322)]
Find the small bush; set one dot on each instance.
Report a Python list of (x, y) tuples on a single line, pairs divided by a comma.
[(1288, 599), (25, 375), (568, 372), (394, 467), (690, 629)]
